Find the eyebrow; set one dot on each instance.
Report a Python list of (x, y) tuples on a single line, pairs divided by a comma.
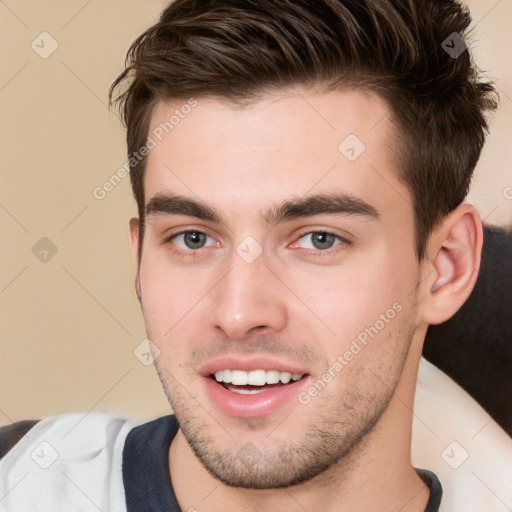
[(309, 206)]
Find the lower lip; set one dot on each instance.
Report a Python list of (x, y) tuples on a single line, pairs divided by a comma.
[(252, 406)]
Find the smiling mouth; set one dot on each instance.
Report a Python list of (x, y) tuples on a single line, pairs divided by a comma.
[(255, 381)]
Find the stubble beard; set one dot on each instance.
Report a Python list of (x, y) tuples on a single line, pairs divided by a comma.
[(334, 436)]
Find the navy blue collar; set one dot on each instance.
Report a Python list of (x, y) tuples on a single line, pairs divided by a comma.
[(146, 477)]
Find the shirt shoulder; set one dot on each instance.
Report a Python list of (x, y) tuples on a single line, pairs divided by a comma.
[(69, 462), (146, 467), (457, 440)]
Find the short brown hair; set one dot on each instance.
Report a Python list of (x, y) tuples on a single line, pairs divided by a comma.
[(238, 49)]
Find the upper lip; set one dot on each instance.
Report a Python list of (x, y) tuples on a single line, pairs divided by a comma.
[(248, 364)]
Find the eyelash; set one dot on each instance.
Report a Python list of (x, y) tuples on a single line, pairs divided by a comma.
[(194, 253), (344, 243), (191, 253)]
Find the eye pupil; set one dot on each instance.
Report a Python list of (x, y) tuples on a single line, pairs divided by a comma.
[(322, 240), (194, 240)]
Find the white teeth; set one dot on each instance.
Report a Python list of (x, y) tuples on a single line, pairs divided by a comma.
[(238, 378), (242, 391), (255, 377), (272, 377), (285, 377)]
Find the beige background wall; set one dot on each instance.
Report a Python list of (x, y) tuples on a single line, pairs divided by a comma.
[(69, 324)]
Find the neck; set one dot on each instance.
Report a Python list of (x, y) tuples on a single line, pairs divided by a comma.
[(376, 475)]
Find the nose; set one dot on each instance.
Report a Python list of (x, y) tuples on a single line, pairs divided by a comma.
[(248, 300)]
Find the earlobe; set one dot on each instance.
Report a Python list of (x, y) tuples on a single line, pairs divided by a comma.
[(455, 251)]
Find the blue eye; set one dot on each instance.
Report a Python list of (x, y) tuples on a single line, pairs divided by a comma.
[(320, 240), (191, 240), (317, 243)]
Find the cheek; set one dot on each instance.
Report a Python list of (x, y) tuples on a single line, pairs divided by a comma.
[(353, 290), (168, 297), (362, 298)]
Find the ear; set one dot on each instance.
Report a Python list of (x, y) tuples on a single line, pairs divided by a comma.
[(452, 264), (134, 246), (134, 240)]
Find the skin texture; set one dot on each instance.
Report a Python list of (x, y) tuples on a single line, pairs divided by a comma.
[(349, 447)]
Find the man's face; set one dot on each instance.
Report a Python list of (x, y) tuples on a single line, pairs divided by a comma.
[(294, 254)]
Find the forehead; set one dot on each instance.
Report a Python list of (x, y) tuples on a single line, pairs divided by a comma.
[(285, 144)]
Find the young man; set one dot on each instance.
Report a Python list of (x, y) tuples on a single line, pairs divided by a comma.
[(300, 170)]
